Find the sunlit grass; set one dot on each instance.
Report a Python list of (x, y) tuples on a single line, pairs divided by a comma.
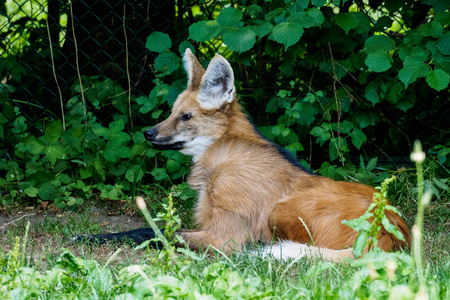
[(45, 264)]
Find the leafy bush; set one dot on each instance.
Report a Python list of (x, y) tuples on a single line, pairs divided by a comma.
[(350, 74), (334, 82), (82, 158)]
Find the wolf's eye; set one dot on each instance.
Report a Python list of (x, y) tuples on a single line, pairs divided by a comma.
[(185, 117)]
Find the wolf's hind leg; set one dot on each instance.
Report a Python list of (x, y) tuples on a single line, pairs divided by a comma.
[(138, 236)]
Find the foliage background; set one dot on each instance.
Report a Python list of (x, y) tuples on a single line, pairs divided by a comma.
[(344, 85)]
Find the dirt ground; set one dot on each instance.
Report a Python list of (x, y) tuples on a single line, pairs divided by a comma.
[(104, 215), (51, 230)]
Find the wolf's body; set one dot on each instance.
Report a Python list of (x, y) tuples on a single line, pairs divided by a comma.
[(250, 189)]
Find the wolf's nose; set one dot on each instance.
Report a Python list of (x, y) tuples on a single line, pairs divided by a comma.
[(151, 133)]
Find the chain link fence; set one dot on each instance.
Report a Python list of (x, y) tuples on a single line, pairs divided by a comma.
[(44, 44)]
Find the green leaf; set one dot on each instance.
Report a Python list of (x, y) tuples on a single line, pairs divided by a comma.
[(156, 114), (148, 104), (272, 106), (412, 37), (168, 62), (35, 145), (406, 104), (287, 33), (119, 99), (303, 19), (113, 192), (229, 17), (438, 79), (346, 21), (159, 173), (159, 93), (433, 29), (204, 31), (262, 30), (443, 43), (317, 16), (117, 126), (358, 138), (344, 127), (31, 191), (64, 178), (360, 243), (395, 93), (285, 132), (253, 10), (99, 168), (54, 152), (442, 155), (47, 191), (104, 90), (110, 155), (184, 45), (114, 148), (276, 130), (391, 228), (134, 174), (158, 42), (413, 68), (295, 147), (121, 169), (378, 62), (318, 3), (372, 93), (321, 133), (172, 166), (307, 113), (372, 164), (303, 4), (239, 39), (379, 43), (53, 131), (138, 137), (364, 25)]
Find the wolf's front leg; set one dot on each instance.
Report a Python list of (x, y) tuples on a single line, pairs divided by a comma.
[(228, 234)]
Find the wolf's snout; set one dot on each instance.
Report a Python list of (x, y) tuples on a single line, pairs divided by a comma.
[(150, 134)]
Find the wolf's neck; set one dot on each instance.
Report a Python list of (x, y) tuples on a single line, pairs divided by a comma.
[(240, 126)]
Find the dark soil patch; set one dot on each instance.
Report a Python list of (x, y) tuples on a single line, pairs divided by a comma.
[(51, 230)]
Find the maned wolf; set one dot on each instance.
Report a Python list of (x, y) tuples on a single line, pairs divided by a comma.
[(251, 189)]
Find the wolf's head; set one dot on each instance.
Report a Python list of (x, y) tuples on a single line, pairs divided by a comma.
[(199, 115)]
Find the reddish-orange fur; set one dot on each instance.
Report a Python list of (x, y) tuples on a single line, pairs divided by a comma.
[(247, 190)]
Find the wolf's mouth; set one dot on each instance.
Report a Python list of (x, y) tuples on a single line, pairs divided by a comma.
[(165, 146)]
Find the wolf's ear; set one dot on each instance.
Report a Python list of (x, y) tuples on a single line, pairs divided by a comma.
[(217, 87), (193, 69)]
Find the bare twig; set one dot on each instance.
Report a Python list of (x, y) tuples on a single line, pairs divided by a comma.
[(338, 105), (76, 59), (16, 220), (127, 66), (54, 74)]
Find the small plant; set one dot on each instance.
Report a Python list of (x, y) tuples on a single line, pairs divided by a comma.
[(368, 231), (418, 156), (172, 221), (16, 258), (140, 202)]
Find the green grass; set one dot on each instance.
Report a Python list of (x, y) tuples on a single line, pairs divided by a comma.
[(103, 272), (56, 268), (49, 266)]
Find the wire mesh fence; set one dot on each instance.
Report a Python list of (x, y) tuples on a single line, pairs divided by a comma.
[(46, 45)]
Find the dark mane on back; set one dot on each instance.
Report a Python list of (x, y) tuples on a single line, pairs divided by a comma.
[(290, 157), (284, 153)]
